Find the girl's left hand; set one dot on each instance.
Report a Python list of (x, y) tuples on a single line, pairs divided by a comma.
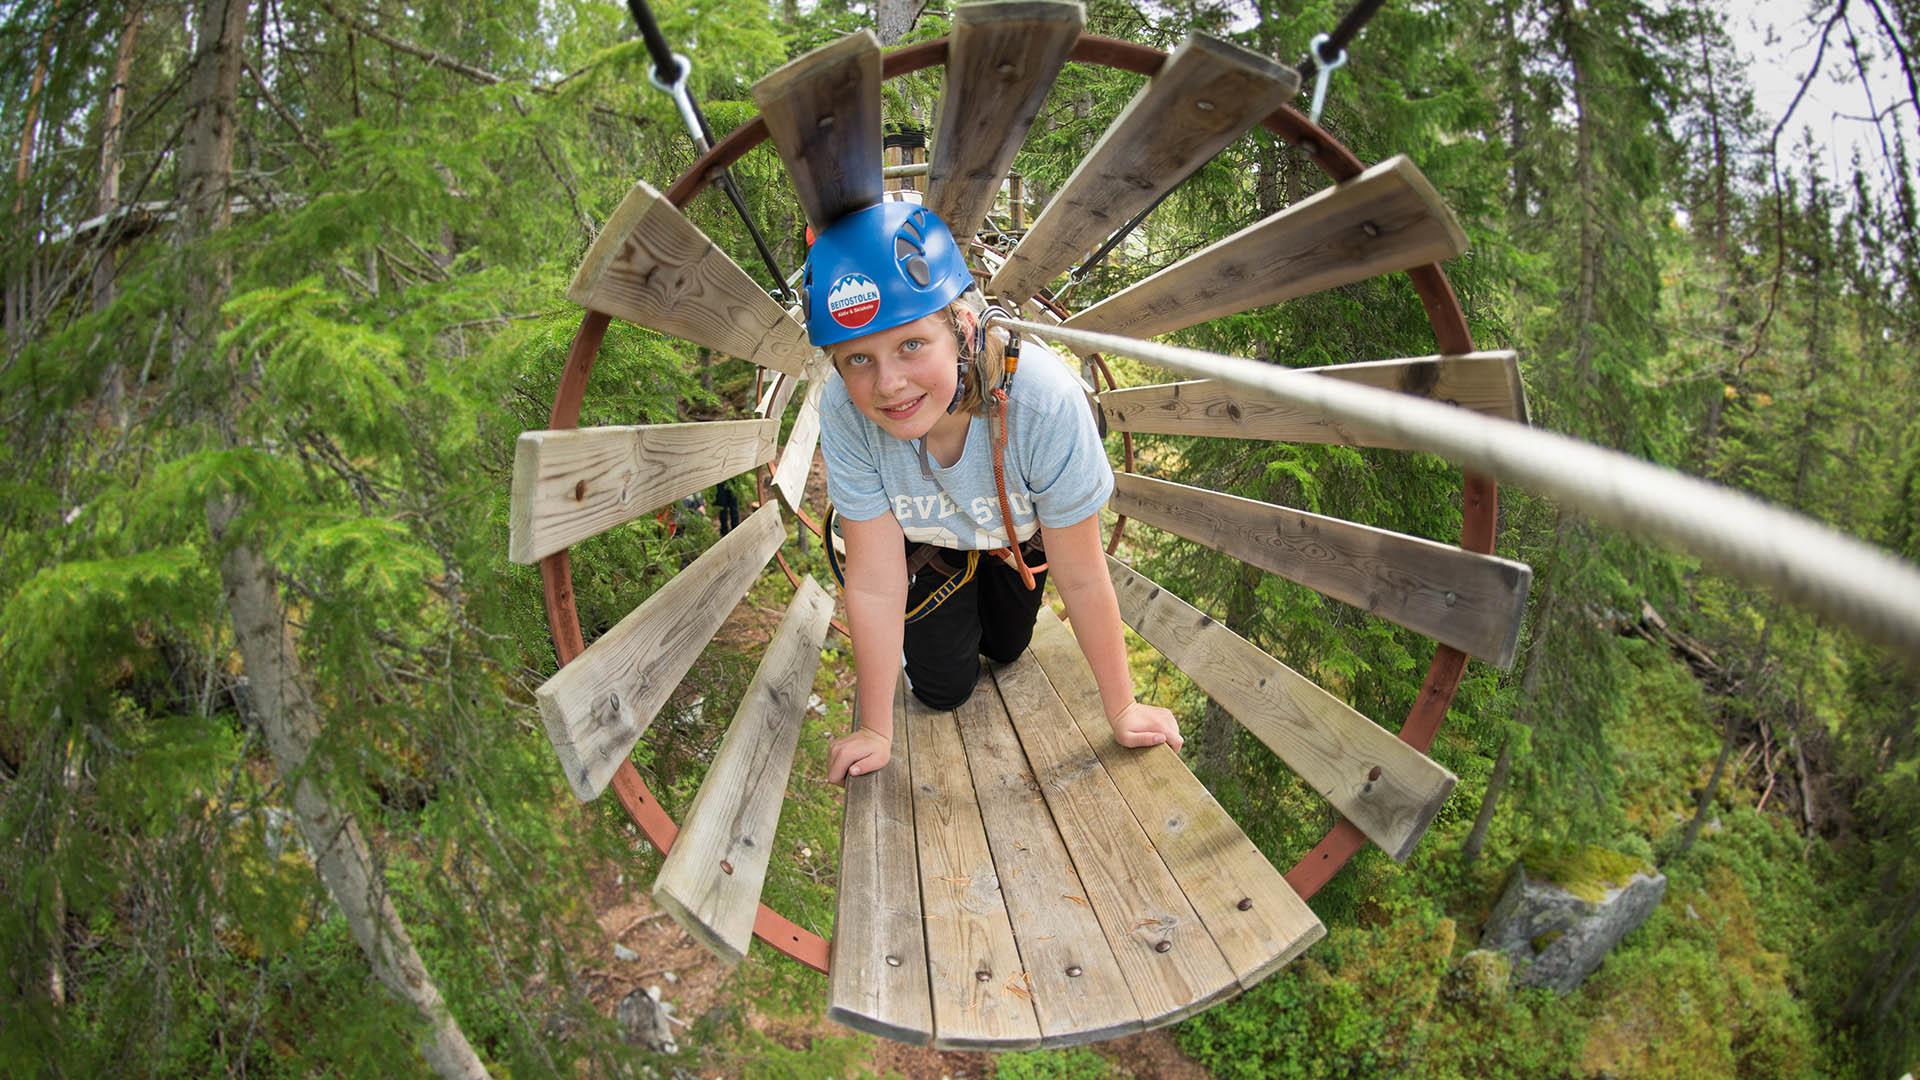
[(1145, 725)]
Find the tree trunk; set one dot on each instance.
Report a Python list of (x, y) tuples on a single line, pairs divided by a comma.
[(111, 136), (896, 18), (1729, 732), (281, 703), (20, 297), (1218, 729), (1586, 296)]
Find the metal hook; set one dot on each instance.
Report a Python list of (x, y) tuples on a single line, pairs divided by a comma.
[(1323, 73), (682, 100)]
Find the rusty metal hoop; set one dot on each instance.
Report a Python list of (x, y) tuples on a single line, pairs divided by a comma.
[(1479, 498)]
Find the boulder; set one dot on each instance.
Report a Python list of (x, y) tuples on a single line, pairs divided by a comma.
[(1565, 909), (645, 1021)]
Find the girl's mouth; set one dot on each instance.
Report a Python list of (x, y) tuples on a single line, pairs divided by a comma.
[(904, 411)]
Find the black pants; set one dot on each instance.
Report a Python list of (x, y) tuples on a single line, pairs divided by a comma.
[(992, 614)]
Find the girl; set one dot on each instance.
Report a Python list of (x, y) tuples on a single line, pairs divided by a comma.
[(909, 452)]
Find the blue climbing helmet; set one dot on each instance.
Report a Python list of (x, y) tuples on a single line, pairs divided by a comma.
[(877, 268)]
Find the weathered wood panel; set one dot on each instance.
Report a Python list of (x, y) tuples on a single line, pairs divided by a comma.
[(653, 267), (1460, 598), (598, 706), (1001, 59), (1207, 94), (571, 484), (1255, 917), (1388, 218), (980, 997), (1389, 790), (1169, 957), (711, 880), (877, 978), (823, 113), (796, 458), (1483, 382), (1078, 989)]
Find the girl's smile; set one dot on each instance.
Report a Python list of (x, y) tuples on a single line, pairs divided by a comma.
[(903, 378)]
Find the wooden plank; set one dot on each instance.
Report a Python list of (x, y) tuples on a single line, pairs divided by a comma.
[(1387, 219), (1207, 94), (572, 484), (653, 267), (823, 113), (1454, 596), (980, 997), (1079, 991), (598, 706), (1001, 59), (1482, 382), (796, 459), (877, 977), (712, 878), (1255, 917), (1389, 790), (1170, 960)]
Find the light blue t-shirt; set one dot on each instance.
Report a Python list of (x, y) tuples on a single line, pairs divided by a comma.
[(1057, 469)]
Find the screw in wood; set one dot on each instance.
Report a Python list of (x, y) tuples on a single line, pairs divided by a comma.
[(579, 491), (1162, 946), (1203, 105), (893, 961), (1451, 598), (1074, 972), (726, 867), (983, 976), (1245, 904), (1007, 70), (1370, 228), (1374, 773)]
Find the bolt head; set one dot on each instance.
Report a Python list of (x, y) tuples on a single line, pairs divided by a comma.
[(1162, 946)]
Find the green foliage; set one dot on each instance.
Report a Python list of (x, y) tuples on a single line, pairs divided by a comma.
[(1077, 1063)]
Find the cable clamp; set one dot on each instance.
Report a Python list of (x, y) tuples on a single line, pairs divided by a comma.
[(1323, 72), (681, 98)]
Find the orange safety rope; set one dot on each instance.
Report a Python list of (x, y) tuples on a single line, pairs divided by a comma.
[(1019, 559)]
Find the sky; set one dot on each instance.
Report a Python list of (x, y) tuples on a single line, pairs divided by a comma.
[(1779, 43)]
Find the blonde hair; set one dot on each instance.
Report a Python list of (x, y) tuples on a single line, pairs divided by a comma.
[(979, 374)]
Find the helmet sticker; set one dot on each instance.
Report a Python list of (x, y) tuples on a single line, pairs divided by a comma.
[(853, 301)]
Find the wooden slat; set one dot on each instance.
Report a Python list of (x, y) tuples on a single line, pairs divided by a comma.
[(980, 997), (1255, 917), (1140, 907), (877, 978), (653, 267), (599, 705), (572, 484), (1078, 989), (1206, 95), (1389, 790), (1387, 219), (1457, 597), (1482, 382), (712, 878), (823, 113), (1001, 59), (796, 458)]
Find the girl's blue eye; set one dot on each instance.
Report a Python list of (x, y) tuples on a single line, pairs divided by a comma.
[(911, 345), (856, 360)]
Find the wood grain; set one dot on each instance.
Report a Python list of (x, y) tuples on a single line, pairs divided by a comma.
[(1078, 989), (653, 267), (877, 977), (1001, 59), (1170, 959), (575, 483), (1207, 94), (598, 706), (1389, 790), (1460, 598), (1483, 382), (980, 997), (823, 114), (712, 878), (796, 458), (1387, 219)]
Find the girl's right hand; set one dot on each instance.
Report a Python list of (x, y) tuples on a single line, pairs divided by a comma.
[(857, 754)]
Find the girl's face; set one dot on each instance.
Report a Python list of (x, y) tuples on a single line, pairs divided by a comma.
[(903, 378)]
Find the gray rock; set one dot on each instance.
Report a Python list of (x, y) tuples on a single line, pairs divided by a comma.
[(644, 1021), (1555, 935)]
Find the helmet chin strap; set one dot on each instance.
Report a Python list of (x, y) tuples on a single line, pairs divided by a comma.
[(994, 311)]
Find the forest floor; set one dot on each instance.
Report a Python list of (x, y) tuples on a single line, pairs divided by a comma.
[(694, 983)]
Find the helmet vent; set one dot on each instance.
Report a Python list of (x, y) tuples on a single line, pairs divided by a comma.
[(917, 270)]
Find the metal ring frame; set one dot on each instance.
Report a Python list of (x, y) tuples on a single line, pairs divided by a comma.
[(1478, 495)]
